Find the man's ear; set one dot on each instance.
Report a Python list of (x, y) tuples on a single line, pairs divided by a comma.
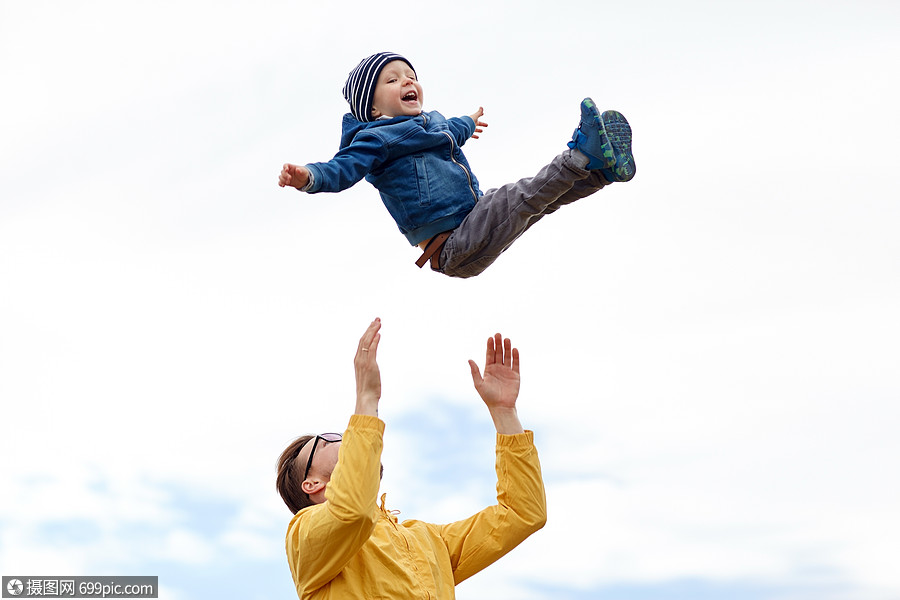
[(312, 486)]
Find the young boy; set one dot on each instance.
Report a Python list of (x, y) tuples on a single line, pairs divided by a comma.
[(414, 159)]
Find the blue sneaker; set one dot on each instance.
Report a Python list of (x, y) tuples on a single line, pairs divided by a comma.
[(606, 140), (590, 138)]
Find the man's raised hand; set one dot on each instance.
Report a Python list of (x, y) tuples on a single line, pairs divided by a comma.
[(368, 376), (499, 387)]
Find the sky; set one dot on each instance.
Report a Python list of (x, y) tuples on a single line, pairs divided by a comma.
[(709, 352)]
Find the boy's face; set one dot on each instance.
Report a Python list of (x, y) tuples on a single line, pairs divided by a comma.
[(397, 92)]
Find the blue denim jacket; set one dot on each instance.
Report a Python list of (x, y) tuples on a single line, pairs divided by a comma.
[(416, 164)]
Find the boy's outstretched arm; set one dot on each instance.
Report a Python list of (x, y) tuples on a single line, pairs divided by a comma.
[(294, 176), (478, 124)]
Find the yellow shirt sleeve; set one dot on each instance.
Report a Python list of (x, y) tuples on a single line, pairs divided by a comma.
[(521, 509), (324, 537)]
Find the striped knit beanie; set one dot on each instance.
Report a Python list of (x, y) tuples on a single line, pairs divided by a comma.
[(360, 86)]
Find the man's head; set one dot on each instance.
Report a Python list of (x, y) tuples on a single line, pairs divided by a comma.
[(304, 469), (384, 84)]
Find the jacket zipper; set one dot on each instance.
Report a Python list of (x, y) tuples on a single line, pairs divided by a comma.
[(460, 165)]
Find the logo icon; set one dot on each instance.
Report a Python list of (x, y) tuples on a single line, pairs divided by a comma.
[(14, 587)]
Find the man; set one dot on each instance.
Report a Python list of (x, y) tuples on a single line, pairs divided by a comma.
[(341, 544)]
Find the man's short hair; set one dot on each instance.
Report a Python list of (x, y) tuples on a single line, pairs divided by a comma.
[(289, 480)]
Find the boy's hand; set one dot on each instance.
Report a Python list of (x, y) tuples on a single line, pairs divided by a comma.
[(478, 124), (293, 176)]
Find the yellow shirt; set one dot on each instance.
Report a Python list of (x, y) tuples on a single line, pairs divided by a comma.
[(349, 547)]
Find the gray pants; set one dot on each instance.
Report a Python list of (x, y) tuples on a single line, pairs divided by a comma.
[(505, 213)]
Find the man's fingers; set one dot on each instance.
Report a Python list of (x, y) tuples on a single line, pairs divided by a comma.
[(476, 373), (371, 333), (373, 347), (501, 352), (489, 354)]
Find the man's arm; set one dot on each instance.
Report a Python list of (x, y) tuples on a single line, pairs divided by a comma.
[(521, 508), (321, 539)]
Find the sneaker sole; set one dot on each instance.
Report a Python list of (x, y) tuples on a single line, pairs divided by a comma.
[(618, 131)]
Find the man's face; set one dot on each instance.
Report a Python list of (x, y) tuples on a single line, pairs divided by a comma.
[(324, 459), (397, 92)]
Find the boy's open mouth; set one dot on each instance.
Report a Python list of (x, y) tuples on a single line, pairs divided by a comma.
[(411, 97)]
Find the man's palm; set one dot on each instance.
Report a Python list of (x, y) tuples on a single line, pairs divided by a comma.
[(500, 386)]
